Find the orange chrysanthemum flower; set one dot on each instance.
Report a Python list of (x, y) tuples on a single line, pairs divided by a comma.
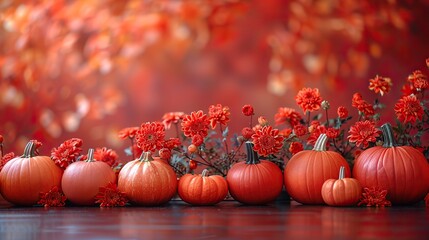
[(364, 107), (195, 123), (309, 99), (287, 115), (172, 117), (218, 114), (129, 132), (418, 80), (150, 136), (363, 132), (267, 141), (380, 85), (408, 109)]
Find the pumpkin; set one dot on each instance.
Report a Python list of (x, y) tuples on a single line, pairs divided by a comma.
[(342, 191), (254, 181), (147, 182), (23, 178), (401, 170), (307, 170), (82, 180), (202, 189)]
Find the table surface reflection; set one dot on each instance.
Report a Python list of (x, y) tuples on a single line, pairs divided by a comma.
[(227, 220)]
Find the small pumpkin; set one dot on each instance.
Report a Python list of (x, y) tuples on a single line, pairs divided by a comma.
[(342, 191), (202, 189), (401, 170), (147, 182), (82, 179), (307, 170), (23, 178), (254, 181)]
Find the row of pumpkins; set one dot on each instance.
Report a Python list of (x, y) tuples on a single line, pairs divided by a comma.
[(313, 176)]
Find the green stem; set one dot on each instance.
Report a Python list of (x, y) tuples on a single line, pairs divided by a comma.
[(205, 173), (29, 150), (389, 140), (342, 173), (320, 143), (145, 157), (252, 156), (90, 157)]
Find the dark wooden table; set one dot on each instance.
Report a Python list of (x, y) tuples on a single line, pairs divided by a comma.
[(228, 220)]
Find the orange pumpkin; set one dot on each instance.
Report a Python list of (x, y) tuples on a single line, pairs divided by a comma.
[(202, 189), (401, 170), (82, 180), (23, 178), (254, 181), (307, 170), (147, 182), (341, 191)]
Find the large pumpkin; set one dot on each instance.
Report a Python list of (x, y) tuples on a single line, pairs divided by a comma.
[(254, 181), (342, 191), (307, 170), (147, 182), (82, 180), (23, 178), (202, 189), (401, 170)]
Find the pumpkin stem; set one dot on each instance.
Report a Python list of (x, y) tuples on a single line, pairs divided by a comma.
[(205, 173), (342, 172), (252, 156), (320, 143), (90, 157), (389, 140), (146, 157), (29, 150)]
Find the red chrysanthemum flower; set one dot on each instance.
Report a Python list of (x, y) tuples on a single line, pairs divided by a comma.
[(67, 152), (129, 132), (380, 85), (172, 117), (287, 115), (218, 114), (165, 153), (106, 155), (309, 99), (418, 80), (110, 196), (300, 130), (342, 112), (356, 99), (247, 132), (6, 158), (286, 132), (315, 132), (374, 197), (195, 123), (52, 198), (197, 140), (332, 132), (150, 136), (313, 125), (267, 141), (172, 143), (364, 107), (363, 132), (247, 110), (408, 109), (295, 147)]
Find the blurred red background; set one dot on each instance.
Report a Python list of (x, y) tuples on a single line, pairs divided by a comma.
[(89, 68)]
